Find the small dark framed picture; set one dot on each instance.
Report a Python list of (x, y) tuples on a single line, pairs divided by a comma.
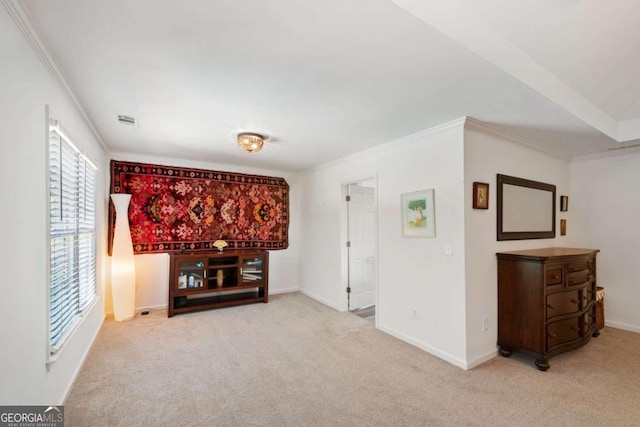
[(563, 227), (564, 203), (480, 195)]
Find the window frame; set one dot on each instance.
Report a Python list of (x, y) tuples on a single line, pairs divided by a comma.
[(86, 295)]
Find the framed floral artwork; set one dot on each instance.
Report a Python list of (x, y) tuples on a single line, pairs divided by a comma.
[(418, 214)]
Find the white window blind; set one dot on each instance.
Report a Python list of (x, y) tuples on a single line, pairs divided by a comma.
[(72, 237)]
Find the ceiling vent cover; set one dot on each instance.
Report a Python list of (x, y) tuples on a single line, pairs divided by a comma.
[(127, 120)]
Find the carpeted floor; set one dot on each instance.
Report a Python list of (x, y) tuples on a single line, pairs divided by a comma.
[(296, 362), (368, 313)]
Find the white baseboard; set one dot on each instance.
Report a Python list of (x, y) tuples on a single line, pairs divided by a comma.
[(480, 360), (67, 390), (623, 326), (151, 307), (282, 291), (138, 310), (429, 349), (319, 299)]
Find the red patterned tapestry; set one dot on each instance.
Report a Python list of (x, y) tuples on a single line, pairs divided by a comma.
[(177, 209)]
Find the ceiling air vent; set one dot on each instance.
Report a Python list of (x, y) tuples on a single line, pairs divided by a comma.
[(127, 120)]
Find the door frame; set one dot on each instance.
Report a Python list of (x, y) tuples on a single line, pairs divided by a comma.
[(344, 226)]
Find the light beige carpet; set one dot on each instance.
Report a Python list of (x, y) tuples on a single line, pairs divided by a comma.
[(296, 362)]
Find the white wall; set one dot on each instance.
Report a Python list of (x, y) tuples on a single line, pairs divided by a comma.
[(485, 155), (605, 203), (25, 88), (152, 270), (412, 272)]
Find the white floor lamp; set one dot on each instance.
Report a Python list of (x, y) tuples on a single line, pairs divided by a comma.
[(123, 270)]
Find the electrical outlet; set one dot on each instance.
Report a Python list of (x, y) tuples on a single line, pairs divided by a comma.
[(448, 249), (414, 313), (485, 324)]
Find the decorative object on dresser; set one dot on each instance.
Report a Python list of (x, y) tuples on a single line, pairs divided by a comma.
[(213, 279), (526, 209), (418, 214), (175, 208), (546, 301), (480, 195)]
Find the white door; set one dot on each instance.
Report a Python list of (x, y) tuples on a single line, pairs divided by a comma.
[(362, 250)]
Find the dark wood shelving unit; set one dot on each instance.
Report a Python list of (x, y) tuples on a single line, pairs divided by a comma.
[(204, 281)]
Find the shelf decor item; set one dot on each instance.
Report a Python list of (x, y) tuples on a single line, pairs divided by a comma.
[(418, 214), (220, 278), (220, 244), (123, 273)]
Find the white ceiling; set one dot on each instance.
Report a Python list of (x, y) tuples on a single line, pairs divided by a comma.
[(327, 79)]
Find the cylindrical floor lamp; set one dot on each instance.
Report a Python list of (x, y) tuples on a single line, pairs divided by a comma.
[(123, 270)]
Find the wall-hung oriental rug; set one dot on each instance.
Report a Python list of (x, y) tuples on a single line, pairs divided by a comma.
[(174, 209)]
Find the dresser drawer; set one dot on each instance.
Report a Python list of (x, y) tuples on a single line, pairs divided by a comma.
[(578, 266), (554, 276), (562, 331), (560, 303), (579, 278), (591, 266)]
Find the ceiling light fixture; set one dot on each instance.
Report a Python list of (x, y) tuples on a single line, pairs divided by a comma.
[(250, 142)]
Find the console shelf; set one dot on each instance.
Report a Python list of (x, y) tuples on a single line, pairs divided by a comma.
[(209, 280)]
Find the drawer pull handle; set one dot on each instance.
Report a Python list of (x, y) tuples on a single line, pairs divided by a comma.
[(573, 328), (575, 301), (551, 306), (556, 277), (552, 335)]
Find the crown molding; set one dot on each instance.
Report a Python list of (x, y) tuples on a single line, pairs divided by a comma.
[(21, 18), (387, 145), (618, 152), (472, 123)]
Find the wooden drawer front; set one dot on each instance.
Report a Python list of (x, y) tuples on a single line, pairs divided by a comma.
[(579, 278), (579, 266), (554, 276), (560, 303), (562, 332)]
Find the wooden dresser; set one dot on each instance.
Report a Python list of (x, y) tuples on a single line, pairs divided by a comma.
[(546, 301)]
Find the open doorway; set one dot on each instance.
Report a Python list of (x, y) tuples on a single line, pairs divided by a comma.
[(361, 259)]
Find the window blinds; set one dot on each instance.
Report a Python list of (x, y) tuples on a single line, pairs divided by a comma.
[(72, 282)]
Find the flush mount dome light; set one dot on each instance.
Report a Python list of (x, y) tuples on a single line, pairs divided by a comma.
[(250, 142)]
